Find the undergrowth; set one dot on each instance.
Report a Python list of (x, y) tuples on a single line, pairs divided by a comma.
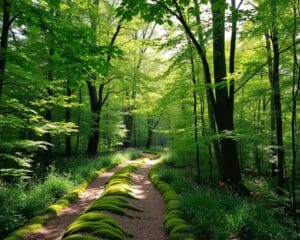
[(219, 214), (19, 203)]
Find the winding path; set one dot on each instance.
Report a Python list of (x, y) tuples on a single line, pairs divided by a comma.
[(54, 228), (147, 225)]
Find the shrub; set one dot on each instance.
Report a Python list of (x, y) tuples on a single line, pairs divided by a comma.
[(166, 175), (221, 215), (19, 203), (56, 185)]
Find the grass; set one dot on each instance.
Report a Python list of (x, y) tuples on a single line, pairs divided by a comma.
[(176, 227), (216, 214), (94, 223), (19, 204)]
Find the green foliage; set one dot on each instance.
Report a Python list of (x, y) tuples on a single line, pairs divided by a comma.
[(19, 204), (220, 215)]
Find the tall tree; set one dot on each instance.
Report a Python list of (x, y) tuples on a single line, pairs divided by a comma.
[(219, 97), (98, 97)]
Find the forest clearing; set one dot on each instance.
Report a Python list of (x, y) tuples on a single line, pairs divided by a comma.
[(149, 119)]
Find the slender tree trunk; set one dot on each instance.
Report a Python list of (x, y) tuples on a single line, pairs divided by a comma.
[(257, 155), (209, 94), (197, 157), (68, 145), (48, 114), (295, 90), (95, 102), (4, 42), (276, 95), (78, 122), (273, 123), (128, 120), (152, 124)]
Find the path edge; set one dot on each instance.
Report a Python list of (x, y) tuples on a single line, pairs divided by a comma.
[(175, 226), (54, 209)]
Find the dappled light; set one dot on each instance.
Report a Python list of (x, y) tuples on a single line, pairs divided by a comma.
[(149, 119)]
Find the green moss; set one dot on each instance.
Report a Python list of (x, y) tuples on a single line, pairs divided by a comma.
[(81, 237), (109, 234), (34, 224), (108, 207), (94, 223), (174, 224)]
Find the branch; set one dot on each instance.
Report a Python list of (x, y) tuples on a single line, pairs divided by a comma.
[(261, 67), (111, 79), (13, 19), (240, 4), (108, 94), (158, 120), (112, 42)]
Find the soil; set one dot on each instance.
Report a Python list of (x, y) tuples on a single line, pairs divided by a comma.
[(147, 225)]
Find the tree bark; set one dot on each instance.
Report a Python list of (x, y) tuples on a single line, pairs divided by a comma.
[(96, 107), (4, 42), (295, 90), (68, 144), (128, 119), (272, 108), (197, 156), (224, 103), (149, 138), (276, 94), (48, 114), (78, 122)]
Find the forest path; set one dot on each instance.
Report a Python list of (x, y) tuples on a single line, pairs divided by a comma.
[(54, 228), (148, 224)]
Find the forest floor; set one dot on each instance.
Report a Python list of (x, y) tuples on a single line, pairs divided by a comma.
[(147, 225)]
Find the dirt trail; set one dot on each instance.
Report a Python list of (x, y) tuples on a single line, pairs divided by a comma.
[(147, 225), (54, 228)]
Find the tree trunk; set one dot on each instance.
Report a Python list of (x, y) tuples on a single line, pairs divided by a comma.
[(273, 123), (68, 119), (78, 123), (48, 114), (93, 141), (96, 105), (128, 121), (276, 95), (149, 138), (256, 151), (207, 79), (295, 89), (224, 104), (197, 156), (4, 42)]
